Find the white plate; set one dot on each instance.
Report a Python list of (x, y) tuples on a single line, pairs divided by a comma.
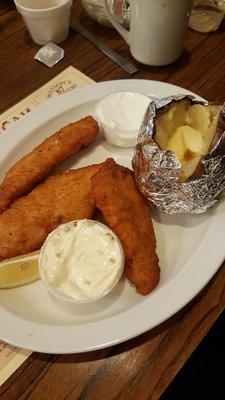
[(190, 248)]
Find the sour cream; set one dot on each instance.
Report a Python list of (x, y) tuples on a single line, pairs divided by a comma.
[(82, 260), (119, 115)]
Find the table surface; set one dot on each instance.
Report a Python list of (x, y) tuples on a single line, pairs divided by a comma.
[(141, 368)]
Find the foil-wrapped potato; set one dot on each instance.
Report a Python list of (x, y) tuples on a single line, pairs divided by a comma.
[(179, 159), (188, 130)]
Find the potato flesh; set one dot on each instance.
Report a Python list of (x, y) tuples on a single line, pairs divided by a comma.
[(186, 143), (188, 131)]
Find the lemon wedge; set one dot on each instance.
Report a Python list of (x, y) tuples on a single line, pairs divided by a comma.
[(19, 271)]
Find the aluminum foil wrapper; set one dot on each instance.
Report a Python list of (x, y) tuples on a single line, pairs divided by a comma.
[(157, 171), (50, 54)]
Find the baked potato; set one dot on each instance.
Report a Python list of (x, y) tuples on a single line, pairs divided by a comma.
[(179, 158), (189, 131)]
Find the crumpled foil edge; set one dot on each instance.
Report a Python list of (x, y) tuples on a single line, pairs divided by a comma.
[(157, 172)]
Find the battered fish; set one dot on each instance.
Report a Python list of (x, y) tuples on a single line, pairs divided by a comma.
[(128, 215), (61, 198), (36, 165)]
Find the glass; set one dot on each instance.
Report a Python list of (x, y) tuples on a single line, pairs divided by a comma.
[(207, 15), (96, 10)]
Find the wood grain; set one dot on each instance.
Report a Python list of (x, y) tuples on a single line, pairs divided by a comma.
[(141, 368)]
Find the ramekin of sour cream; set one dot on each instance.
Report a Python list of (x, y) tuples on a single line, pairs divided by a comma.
[(80, 262), (120, 115)]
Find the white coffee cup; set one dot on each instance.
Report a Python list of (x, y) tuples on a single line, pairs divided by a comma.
[(46, 20), (157, 29)]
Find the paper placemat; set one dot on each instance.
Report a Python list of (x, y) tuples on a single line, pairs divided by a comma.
[(12, 357)]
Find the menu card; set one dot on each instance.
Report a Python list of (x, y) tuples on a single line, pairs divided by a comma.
[(12, 357)]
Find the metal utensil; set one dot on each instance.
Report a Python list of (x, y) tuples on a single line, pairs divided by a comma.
[(126, 65)]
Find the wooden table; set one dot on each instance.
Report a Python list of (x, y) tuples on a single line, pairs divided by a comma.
[(141, 368)]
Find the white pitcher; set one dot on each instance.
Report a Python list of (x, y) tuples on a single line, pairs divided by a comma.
[(157, 29)]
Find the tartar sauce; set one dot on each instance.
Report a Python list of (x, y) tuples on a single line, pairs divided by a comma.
[(82, 259)]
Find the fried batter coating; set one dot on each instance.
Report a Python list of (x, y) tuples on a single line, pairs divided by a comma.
[(61, 198), (37, 164), (128, 215)]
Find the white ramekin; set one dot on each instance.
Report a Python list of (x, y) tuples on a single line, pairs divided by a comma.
[(119, 115), (64, 301)]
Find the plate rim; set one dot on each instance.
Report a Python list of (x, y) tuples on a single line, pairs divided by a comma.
[(29, 335)]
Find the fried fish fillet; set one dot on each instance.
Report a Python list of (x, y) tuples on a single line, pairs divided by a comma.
[(37, 164), (61, 198), (128, 215)]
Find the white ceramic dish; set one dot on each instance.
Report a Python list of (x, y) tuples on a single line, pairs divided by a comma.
[(190, 248)]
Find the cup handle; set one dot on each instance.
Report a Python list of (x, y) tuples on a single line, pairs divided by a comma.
[(123, 32)]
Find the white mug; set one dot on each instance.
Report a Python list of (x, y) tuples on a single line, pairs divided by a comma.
[(157, 29)]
